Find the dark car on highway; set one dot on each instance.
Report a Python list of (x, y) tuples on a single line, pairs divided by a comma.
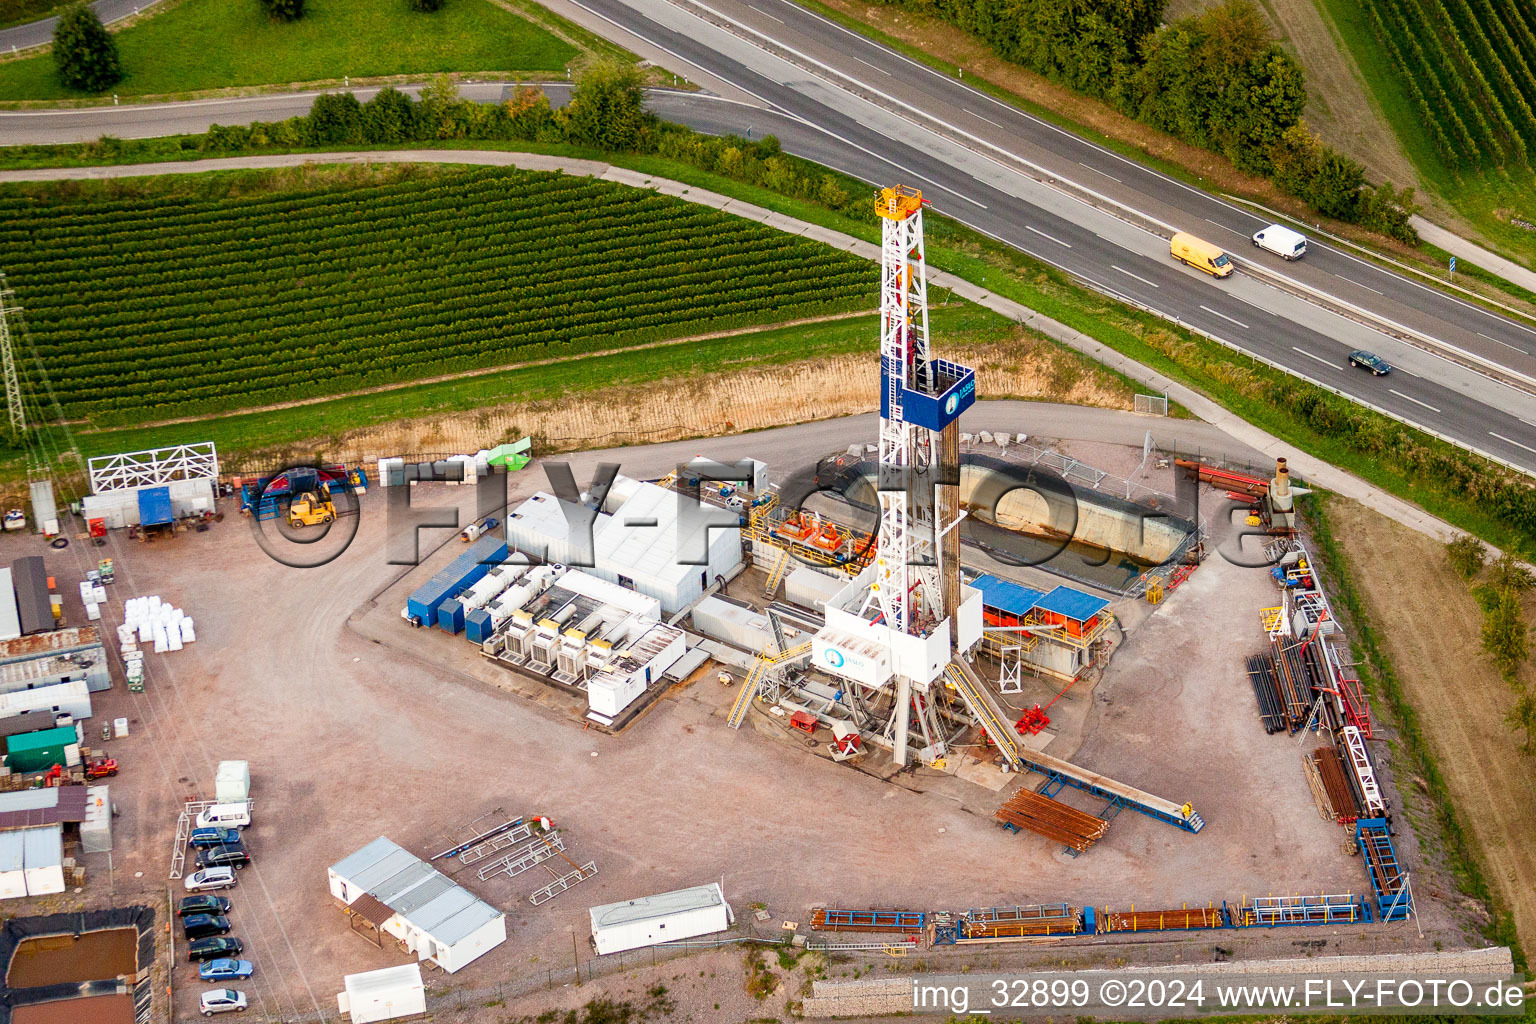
[(214, 948), (1363, 360), (206, 904)]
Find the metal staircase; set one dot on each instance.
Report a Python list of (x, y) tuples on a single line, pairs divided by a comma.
[(754, 682), (777, 573)]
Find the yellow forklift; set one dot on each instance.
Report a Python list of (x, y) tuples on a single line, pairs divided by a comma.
[(312, 508)]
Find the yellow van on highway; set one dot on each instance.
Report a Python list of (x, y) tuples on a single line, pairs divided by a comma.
[(1200, 254)]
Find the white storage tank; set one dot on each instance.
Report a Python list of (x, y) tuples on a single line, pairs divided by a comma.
[(232, 784), (668, 917)]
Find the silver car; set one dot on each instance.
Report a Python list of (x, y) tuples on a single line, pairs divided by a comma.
[(221, 1000)]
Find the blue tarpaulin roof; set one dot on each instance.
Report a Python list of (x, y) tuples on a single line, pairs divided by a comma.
[(1072, 603), (1013, 598), (155, 506)]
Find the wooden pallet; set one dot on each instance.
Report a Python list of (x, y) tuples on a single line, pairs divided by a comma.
[(1044, 816)]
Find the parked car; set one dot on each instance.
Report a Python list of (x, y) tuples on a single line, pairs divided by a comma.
[(200, 926), (225, 969), (203, 905), (210, 878), (231, 855), (213, 836), (1363, 360), (214, 948), (221, 1000), (1282, 241), (226, 815)]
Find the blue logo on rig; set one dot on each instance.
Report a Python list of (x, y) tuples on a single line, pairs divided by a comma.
[(951, 404), (834, 657)]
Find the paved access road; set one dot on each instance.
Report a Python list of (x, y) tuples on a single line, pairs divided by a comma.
[(36, 33)]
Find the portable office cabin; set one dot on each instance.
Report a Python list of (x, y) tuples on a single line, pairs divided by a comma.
[(387, 994), (35, 610), (10, 620), (42, 703), (42, 853), (668, 917), (60, 656), (13, 873)]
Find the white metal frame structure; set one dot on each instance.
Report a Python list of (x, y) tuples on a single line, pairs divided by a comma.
[(18, 416), (153, 467)]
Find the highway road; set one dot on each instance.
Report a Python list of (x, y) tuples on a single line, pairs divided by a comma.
[(990, 191), (36, 33)]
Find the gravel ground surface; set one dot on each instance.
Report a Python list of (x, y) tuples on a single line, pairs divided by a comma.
[(357, 726)]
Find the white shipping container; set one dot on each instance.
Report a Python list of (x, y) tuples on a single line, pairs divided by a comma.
[(667, 917), (387, 994), (13, 876), (232, 782)]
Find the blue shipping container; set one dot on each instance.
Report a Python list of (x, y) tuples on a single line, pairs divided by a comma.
[(468, 568), (155, 506), (449, 615), (477, 625)]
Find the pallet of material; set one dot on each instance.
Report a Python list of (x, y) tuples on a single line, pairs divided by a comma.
[(1341, 796), (1261, 674), (1044, 816), (827, 920), (1162, 920)]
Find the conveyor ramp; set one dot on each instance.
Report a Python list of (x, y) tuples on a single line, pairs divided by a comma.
[(1002, 733)]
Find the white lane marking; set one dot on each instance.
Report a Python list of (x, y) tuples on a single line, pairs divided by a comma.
[(978, 117), (1224, 316), (1309, 355), (1357, 284), (1095, 170), (770, 17), (1517, 444), (1223, 227), (1138, 277), (866, 63), (1042, 234), (905, 170), (1506, 344), (1415, 401)]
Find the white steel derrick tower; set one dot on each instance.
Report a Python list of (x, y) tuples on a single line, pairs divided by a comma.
[(906, 578), (916, 581)]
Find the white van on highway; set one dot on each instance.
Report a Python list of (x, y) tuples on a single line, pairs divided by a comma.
[(1281, 241)]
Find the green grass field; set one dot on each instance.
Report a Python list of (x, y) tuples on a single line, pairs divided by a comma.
[(1488, 191), (161, 298), (218, 44)]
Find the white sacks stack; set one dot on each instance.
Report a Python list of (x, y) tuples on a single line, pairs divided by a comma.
[(93, 597), (149, 620)]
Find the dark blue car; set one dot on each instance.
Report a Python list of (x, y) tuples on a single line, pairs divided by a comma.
[(1363, 360), (213, 836)]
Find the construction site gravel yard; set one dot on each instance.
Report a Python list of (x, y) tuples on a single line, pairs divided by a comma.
[(357, 726)]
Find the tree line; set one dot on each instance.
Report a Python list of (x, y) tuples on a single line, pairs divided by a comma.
[(1215, 79)]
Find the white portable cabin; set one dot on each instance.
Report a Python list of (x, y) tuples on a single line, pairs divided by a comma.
[(10, 617), (46, 701), (43, 859), (431, 915), (667, 917), (13, 875), (232, 783), (96, 829), (387, 994)]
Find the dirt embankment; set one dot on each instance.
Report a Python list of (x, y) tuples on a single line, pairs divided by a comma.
[(1431, 626), (723, 403)]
